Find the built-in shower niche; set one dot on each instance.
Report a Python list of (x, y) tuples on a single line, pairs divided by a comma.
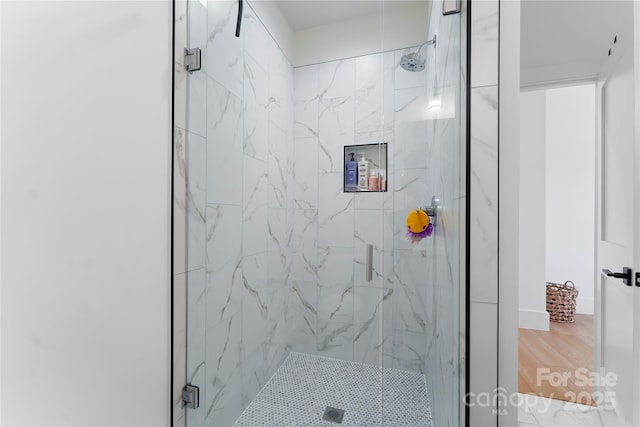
[(365, 168)]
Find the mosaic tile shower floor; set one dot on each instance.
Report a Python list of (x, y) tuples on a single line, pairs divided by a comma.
[(299, 392)]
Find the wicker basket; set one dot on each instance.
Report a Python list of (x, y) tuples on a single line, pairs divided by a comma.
[(561, 301)]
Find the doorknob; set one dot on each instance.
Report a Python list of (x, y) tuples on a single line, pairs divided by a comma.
[(626, 275)]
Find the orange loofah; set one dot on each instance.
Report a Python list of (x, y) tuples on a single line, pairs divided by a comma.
[(417, 221)]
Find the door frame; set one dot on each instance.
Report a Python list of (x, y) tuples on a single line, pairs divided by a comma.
[(636, 174), (509, 87)]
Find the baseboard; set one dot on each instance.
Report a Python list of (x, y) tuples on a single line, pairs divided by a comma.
[(532, 319), (584, 305)]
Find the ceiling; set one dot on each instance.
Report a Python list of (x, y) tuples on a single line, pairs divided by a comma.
[(303, 14), (564, 40)]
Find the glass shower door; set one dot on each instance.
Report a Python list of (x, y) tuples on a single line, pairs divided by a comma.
[(305, 299)]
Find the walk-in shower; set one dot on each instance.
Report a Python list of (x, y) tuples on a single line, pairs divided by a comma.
[(306, 302)]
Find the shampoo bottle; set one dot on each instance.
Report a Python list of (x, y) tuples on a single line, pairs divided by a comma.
[(363, 173), (351, 174)]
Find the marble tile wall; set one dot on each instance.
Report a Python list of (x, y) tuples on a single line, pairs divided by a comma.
[(233, 156), (483, 194)]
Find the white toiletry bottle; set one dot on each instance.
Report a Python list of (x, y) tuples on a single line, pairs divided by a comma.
[(363, 173)]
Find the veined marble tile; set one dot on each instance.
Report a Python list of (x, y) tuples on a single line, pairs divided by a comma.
[(179, 73), (305, 83), (224, 256), (180, 233), (280, 87), (224, 146), (389, 65), (196, 336), (368, 94), (414, 145), (305, 179), (252, 375), (414, 300), (280, 225), (224, 49), (335, 285), (372, 338), (448, 157), (197, 81), (256, 37), (542, 411), (335, 340), (278, 164), (375, 228), (303, 298), (484, 183), (290, 163), (375, 201), (483, 376), (484, 49), (179, 362), (411, 105), (256, 113), (408, 351), (306, 101), (254, 301), (223, 399), (276, 344), (196, 321), (302, 311), (196, 160), (336, 78), (258, 367), (304, 245), (448, 61), (412, 190), (336, 129), (255, 233), (306, 119), (335, 212)]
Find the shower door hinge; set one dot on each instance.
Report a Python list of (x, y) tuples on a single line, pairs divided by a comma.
[(191, 396), (192, 59)]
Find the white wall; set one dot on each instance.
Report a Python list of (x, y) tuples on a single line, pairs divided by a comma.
[(271, 16), (395, 28), (557, 183), (570, 184), (85, 213), (533, 314), (508, 216)]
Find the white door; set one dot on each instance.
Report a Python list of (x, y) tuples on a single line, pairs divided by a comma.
[(617, 308)]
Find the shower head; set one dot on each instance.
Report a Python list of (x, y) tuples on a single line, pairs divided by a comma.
[(414, 61)]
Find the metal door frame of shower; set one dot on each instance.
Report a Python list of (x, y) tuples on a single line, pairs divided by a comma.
[(465, 291), (178, 368)]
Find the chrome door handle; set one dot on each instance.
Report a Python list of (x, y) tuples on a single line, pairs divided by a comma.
[(626, 275), (369, 263)]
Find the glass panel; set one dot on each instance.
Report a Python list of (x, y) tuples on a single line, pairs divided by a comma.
[(305, 299), (425, 94)]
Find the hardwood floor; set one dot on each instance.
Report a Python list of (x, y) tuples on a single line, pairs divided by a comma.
[(550, 361)]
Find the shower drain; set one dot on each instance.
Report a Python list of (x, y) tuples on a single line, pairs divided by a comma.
[(333, 414)]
